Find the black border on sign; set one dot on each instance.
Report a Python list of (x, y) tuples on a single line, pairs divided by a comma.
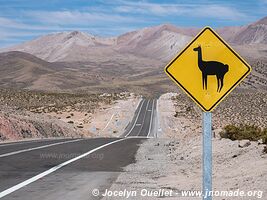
[(226, 93)]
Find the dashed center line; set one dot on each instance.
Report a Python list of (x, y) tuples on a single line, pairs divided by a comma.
[(141, 104)]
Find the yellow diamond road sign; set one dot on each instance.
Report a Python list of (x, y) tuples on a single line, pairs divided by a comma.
[(208, 69)]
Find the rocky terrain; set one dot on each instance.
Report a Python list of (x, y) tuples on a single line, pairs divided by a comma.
[(181, 114), (27, 114), (16, 125), (176, 165)]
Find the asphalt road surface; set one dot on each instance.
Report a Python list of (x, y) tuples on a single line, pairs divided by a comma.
[(144, 121), (72, 168)]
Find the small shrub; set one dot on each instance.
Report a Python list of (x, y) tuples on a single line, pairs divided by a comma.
[(229, 131), (244, 132), (188, 109), (264, 138)]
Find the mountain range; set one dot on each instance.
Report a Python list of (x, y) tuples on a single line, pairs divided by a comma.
[(77, 60)]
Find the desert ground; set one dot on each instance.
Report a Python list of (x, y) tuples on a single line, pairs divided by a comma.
[(64, 115)]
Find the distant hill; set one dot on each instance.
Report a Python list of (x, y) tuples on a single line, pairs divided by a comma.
[(65, 46), (157, 42), (255, 33), (160, 42), (21, 70)]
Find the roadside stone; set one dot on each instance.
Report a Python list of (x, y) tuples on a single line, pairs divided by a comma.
[(260, 141), (244, 143)]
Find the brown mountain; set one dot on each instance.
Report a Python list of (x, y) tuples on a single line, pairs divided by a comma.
[(160, 42), (21, 70), (255, 33), (77, 61), (65, 46)]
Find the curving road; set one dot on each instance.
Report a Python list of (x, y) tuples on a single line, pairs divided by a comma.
[(71, 168)]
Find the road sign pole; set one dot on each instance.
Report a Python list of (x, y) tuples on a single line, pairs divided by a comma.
[(207, 156)]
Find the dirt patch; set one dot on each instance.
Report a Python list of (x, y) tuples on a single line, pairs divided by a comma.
[(233, 168), (108, 120)]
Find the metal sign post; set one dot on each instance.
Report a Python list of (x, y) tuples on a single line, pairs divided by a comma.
[(207, 156)]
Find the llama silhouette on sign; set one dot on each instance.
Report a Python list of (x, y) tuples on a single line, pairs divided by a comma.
[(211, 68)]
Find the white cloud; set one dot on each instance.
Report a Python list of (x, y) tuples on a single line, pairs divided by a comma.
[(216, 11), (148, 8), (219, 12), (44, 22), (78, 18), (5, 22), (15, 25)]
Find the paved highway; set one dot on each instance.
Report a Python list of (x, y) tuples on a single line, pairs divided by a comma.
[(72, 168), (144, 121)]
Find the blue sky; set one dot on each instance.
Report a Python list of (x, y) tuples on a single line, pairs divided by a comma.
[(22, 20)]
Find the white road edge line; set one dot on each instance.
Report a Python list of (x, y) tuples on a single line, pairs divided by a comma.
[(151, 118), (108, 122), (35, 148), (22, 142), (136, 118), (29, 141), (53, 169), (138, 103), (158, 121)]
